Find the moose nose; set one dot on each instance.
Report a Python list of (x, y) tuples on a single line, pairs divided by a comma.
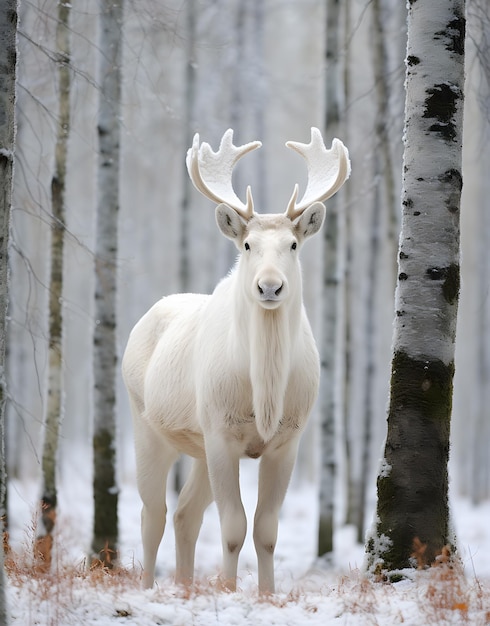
[(269, 290)]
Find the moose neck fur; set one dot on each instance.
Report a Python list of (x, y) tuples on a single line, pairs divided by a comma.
[(269, 337)]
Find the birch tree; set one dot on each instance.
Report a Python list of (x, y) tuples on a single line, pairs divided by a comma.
[(8, 61), (479, 487), (382, 210), (55, 350), (185, 247), (190, 99), (412, 522), (105, 533), (330, 327)]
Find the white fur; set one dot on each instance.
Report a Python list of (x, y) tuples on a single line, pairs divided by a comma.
[(221, 377)]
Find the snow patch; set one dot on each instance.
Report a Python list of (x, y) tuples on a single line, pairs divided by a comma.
[(384, 469)]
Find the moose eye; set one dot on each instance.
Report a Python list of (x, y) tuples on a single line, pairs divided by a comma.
[(247, 247), (294, 245)]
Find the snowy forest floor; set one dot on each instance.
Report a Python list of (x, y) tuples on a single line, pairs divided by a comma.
[(309, 592)]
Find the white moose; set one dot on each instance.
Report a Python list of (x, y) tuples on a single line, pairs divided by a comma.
[(232, 374)]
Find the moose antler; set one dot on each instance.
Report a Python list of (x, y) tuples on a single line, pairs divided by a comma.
[(327, 171), (211, 171)]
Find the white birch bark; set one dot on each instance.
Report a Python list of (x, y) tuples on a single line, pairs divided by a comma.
[(54, 410), (330, 298), (8, 67), (381, 246), (412, 524), (479, 460), (105, 534), (189, 125), (180, 468), (358, 481), (348, 391)]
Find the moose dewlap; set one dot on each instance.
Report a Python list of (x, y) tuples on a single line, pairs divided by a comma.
[(232, 374)]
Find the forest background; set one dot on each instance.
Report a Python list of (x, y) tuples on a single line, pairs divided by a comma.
[(260, 68)]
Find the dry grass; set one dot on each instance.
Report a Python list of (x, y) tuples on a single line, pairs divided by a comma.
[(48, 580), (59, 591), (448, 592), (442, 594), (359, 596)]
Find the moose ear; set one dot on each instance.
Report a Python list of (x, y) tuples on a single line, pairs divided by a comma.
[(310, 221), (230, 223)]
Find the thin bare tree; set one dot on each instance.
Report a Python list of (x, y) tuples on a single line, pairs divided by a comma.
[(8, 65), (105, 531), (383, 201), (54, 409), (330, 294), (479, 483)]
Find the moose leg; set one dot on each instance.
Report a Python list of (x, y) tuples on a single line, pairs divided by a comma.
[(193, 500), (275, 471), (154, 458), (223, 469)]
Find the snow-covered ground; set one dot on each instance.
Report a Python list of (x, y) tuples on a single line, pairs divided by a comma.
[(309, 592)]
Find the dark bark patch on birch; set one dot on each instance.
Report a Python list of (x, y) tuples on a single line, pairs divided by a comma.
[(325, 535), (6, 160), (453, 176), (12, 17), (412, 60), (49, 502), (455, 34), (440, 105), (413, 494), (436, 273), (451, 280), (451, 285), (453, 179), (105, 533)]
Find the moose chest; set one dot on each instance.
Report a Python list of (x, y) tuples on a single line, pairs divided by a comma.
[(242, 435)]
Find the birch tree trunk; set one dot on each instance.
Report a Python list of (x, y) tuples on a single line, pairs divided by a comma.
[(8, 66), (385, 162), (330, 298), (479, 487), (54, 411), (412, 522), (190, 105), (383, 200), (179, 468), (366, 424), (480, 463), (105, 533), (352, 488)]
